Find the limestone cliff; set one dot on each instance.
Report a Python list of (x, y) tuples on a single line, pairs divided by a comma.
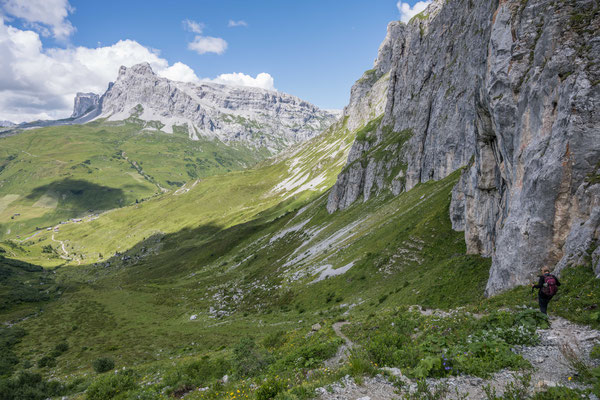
[(254, 116), (511, 91)]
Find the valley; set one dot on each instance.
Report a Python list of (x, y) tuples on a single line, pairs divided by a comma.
[(177, 240)]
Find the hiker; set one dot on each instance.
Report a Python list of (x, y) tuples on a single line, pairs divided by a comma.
[(548, 286)]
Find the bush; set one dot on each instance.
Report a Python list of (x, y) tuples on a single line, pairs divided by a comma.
[(269, 389), (62, 347), (103, 364), (47, 361), (196, 373), (595, 353), (108, 386), (29, 386), (247, 359)]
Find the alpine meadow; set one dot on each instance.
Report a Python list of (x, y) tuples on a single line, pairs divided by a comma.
[(179, 237)]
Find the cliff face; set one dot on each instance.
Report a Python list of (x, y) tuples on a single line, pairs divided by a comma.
[(84, 103), (511, 90), (255, 116)]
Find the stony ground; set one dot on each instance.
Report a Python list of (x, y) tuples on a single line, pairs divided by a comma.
[(551, 368)]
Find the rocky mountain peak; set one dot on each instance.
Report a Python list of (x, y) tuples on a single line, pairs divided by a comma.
[(84, 103), (257, 117)]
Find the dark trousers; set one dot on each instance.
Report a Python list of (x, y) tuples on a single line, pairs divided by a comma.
[(544, 300)]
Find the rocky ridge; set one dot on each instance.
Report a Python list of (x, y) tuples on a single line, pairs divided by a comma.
[(506, 89), (85, 103), (255, 116)]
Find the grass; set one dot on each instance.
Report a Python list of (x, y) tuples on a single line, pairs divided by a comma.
[(229, 277), (53, 174)]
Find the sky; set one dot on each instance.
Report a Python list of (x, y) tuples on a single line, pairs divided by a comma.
[(313, 49)]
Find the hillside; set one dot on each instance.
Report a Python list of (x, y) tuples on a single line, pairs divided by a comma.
[(388, 257), (54, 174)]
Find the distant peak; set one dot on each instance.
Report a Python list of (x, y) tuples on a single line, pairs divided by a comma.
[(143, 69)]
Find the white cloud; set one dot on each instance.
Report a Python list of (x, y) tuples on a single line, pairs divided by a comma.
[(203, 44), (262, 80), (407, 12), (179, 72), (41, 13), (208, 44), (38, 83), (193, 26), (233, 24)]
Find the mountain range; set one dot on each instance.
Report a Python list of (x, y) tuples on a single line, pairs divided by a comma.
[(252, 116)]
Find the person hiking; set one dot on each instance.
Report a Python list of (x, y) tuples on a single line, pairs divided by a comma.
[(548, 286)]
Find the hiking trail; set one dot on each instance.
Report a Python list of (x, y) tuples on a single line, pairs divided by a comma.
[(550, 367)]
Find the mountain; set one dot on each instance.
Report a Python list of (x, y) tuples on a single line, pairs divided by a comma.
[(258, 117), (506, 89), (254, 117), (85, 103), (6, 124), (342, 258)]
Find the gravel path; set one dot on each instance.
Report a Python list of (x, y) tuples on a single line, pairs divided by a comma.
[(343, 350), (551, 368)]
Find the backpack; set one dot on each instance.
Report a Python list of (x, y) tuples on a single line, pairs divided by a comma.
[(549, 288)]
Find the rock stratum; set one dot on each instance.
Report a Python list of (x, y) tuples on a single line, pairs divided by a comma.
[(510, 92)]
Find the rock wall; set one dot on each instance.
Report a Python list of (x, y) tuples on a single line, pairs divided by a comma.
[(511, 90), (84, 103)]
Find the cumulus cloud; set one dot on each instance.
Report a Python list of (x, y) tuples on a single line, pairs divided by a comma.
[(407, 12), (40, 83), (208, 44), (203, 44), (42, 15), (179, 72), (233, 24), (193, 26), (262, 80)]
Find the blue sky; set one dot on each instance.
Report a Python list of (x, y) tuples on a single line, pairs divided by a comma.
[(314, 49)]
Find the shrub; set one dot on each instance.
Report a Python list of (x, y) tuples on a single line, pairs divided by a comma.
[(360, 364), (30, 386), (196, 373), (62, 347), (103, 364), (108, 386), (269, 389), (595, 353), (47, 361), (274, 340), (247, 359)]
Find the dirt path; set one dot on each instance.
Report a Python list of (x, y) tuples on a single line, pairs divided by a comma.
[(67, 256), (551, 367), (343, 350)]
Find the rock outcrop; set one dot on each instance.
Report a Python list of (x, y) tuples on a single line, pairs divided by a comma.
[(258, 117), (85, 103), (510, 91)]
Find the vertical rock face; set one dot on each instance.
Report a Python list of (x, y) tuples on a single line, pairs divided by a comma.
[(85, 103), (511, 90)]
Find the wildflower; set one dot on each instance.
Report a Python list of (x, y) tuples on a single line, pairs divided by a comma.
[(570, 378)]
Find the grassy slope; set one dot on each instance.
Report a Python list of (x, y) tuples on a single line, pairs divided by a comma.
[(244, 260), (52, 174), (214, 203)]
